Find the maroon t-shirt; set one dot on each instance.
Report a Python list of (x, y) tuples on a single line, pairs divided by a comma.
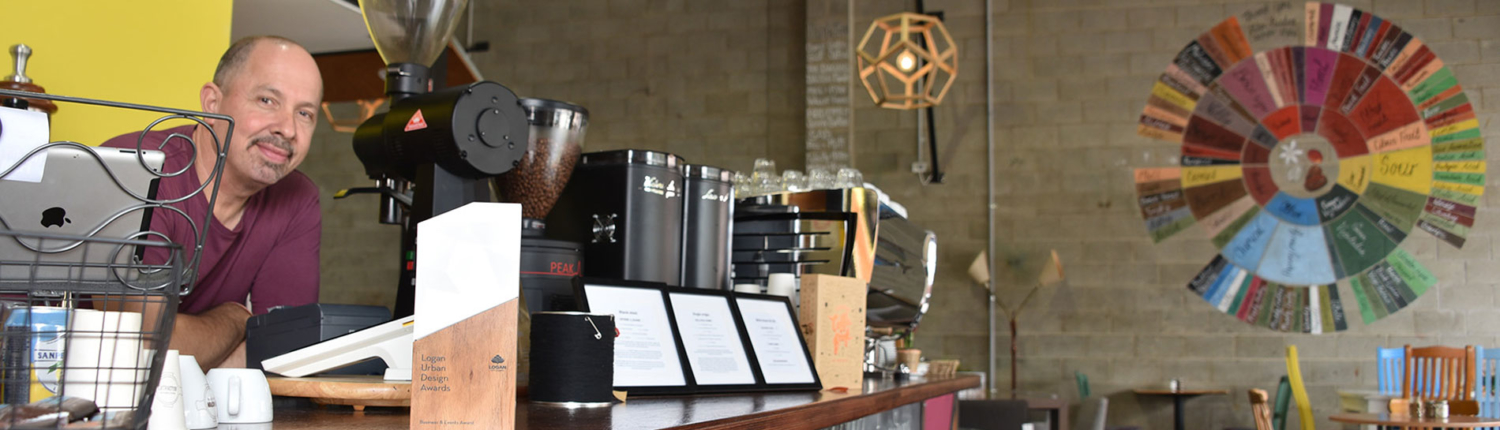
[(272, 255)]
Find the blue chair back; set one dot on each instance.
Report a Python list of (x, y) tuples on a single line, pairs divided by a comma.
[(1390, 369), (1486, 372)]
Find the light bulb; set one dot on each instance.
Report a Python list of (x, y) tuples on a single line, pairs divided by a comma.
[(906, 62)]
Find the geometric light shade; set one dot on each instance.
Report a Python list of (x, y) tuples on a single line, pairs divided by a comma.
[(913, 48)]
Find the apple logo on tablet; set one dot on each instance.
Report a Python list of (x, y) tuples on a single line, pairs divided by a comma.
[(55, 217)]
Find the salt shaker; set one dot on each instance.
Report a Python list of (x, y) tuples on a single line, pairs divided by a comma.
[(1437, 409)]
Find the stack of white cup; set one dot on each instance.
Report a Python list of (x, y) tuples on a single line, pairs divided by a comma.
[(104, 359), (785, 285), (197, 398), (167, 411)]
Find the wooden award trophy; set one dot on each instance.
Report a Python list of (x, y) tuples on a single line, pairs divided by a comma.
[(20, 82)]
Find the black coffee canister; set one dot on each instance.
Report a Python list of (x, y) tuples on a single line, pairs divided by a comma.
[(708, 207), (572, 359), (625, 207)]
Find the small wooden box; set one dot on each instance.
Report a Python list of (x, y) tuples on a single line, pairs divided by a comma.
[(833, 322)]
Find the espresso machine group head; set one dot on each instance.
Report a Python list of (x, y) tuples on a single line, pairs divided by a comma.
[(442, 146)]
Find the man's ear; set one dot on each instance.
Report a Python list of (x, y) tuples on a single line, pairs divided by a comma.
[(210, 96)]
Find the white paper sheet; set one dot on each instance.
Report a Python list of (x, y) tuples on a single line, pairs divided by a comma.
[(646, 351), (773, 334), (20, 132), (711, 340)]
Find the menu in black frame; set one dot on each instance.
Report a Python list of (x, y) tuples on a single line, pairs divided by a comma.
[(712, 340), (779, 350), (648, 356)]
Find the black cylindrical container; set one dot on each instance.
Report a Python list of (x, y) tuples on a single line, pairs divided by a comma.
[(572, 359), (547, 271), (625, 207), (708, 207)]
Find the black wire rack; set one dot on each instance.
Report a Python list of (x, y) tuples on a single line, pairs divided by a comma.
[(86, 319)]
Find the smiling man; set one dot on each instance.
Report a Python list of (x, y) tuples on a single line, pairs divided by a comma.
[(261, 248)]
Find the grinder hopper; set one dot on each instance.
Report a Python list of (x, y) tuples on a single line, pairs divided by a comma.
[(410, 32), (556, 142)]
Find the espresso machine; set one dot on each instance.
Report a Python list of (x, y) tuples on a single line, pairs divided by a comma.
[(433, 151), (831, 231)]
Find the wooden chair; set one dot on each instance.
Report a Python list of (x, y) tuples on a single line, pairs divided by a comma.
[(1260, 409), (1439, 373)]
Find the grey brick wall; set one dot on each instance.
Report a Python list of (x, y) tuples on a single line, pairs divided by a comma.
[(719, 83), (1071, 79)]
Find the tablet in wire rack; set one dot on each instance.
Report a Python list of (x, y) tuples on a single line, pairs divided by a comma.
[(777, 343), (75, 196), (649, 357), (714, 341)]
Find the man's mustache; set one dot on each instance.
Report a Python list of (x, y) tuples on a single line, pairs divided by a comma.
[(277, 142)]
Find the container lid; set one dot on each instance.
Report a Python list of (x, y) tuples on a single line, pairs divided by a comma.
[(699, 171), (632, 156), (555, 113)]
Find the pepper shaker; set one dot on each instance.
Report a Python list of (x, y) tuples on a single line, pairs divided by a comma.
[(21, 54)]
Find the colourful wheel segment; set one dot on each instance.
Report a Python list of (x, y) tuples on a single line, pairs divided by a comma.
[(1314, 141)]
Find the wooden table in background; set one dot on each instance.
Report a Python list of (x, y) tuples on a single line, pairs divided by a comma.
[(1454, 421), (733, 411), (1177, 397)]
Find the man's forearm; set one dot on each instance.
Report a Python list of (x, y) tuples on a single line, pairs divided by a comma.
[(212, 335)]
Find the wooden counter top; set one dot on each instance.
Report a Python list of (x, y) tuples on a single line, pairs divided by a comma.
[(733, 411)]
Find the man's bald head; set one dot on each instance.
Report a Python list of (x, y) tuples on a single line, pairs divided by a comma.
[(234, 59), (271, 87)]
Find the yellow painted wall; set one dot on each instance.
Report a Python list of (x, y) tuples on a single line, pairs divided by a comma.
[(154, 52)]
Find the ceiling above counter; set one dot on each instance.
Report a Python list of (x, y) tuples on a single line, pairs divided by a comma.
[(322, 26)]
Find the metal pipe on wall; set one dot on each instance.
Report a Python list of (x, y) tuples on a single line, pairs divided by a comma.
[(989, 136)]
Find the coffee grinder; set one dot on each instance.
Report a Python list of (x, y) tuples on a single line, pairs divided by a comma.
[(556, 142), (433, 151)]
